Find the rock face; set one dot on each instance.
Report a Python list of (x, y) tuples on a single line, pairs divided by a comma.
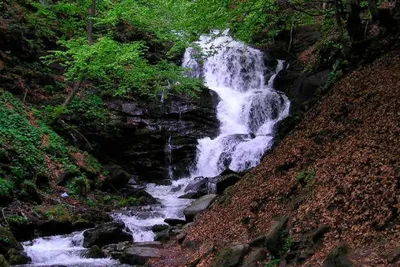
[(198, 206), (139, 255), (153, 139), (105, 234)]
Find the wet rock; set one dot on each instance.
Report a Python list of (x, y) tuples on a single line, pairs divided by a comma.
[(174, 222), (162, 236), (105, 234), (115, 250), (159, 227), (338, 257), (95, 252), (16, 257), (116, 179), (82, 224), (8, 241), (3, 262), (139, 255), (56, 226), (223, 181), (198, 206), (231, 256), (254, 257)]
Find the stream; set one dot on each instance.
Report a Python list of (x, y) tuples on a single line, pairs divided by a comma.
[(248, 111)]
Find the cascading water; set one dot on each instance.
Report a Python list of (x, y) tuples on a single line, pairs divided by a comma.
[(248, 110)]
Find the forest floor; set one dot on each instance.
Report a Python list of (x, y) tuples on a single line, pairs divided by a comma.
[(340, 168)]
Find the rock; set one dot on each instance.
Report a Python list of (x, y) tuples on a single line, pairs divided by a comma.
[(338, 257), (198, 206), (174, 222), (8, 241), (138, 255), (95, 252), (222, 182), (254, 257), (16, 257), (116, 179), (66, 176), (162, 236), (30, 192), (196, 188), (82, 224), (105, 234), (274, 240), (231, 256), (159, 227), (181, 237), (393, 256), (319, 233), (115, 250), (3, 262)]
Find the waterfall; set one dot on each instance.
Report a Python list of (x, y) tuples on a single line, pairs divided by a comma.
[(248, 108), (248, 111)]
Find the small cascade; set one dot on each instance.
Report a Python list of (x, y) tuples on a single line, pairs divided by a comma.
[(168, 156), (65, 250)]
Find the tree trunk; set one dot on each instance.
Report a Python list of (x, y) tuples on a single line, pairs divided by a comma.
[(91, 22), (354, 27), (338, 9), (71, 95), (373, 9)]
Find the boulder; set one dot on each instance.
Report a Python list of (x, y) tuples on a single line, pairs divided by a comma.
[(196, 188), (338, 257), (95, 252), (198, 206), (8, 241), (162, 236), (159, 227), (139, 255), (222, 182), (105, 234), (16, 257), (116, 179), (231, 256), (174, 222), (3, 262), (254, 257)]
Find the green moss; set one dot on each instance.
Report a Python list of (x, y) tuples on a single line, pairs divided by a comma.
[(6, 190)]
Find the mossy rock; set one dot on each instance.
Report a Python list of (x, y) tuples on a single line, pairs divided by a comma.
[(3, 262), (8, 241), (16, 257), (95, 252), (230, 256)]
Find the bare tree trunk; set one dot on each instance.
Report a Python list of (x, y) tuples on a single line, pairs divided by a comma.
[(373, 9), (354, 21), (338, 7), (74, 91), (91, 22)]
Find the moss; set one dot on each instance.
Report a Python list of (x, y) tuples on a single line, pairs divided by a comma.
[(8, 241), (3, 262)]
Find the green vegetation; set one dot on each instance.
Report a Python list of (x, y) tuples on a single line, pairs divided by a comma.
[(6, 189), (305, 176)]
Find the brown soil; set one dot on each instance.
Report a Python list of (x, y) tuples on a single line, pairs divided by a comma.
[(351, 141)]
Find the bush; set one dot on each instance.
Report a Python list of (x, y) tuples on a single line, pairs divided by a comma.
[(6, 190)]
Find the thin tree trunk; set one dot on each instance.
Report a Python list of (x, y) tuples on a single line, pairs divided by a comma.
[(373, 9), (91, 22), (338, 16), (74, 91)]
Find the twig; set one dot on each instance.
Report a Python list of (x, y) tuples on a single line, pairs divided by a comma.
[(2, 211), (26, 92), (291, 38), (76, 131)]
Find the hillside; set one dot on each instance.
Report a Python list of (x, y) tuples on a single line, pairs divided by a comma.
[(336, 173)]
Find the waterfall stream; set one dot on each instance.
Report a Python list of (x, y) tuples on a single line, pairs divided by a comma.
[(248, 111)]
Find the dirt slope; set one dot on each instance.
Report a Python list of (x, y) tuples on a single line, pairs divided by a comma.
[(351, 142)]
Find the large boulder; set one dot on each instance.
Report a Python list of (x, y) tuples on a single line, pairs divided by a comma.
[(17, 257), (139, 255), (8, 241), (223, 181), (231, 256), (105, 234), (116, 179), (196, 188), (198, 206)]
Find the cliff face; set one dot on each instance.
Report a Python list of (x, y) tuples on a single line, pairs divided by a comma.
[(338, 171)]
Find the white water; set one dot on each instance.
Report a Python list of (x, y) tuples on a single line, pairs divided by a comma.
[(67, 250), (247, 111)]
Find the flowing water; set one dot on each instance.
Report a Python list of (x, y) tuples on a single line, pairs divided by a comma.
[(248, 111)]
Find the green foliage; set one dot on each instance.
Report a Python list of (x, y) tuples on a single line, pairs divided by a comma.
[(90, 202), (273, 263), (16, 220), (6, 189), (130, 201), (305, 176), (119, 67)]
